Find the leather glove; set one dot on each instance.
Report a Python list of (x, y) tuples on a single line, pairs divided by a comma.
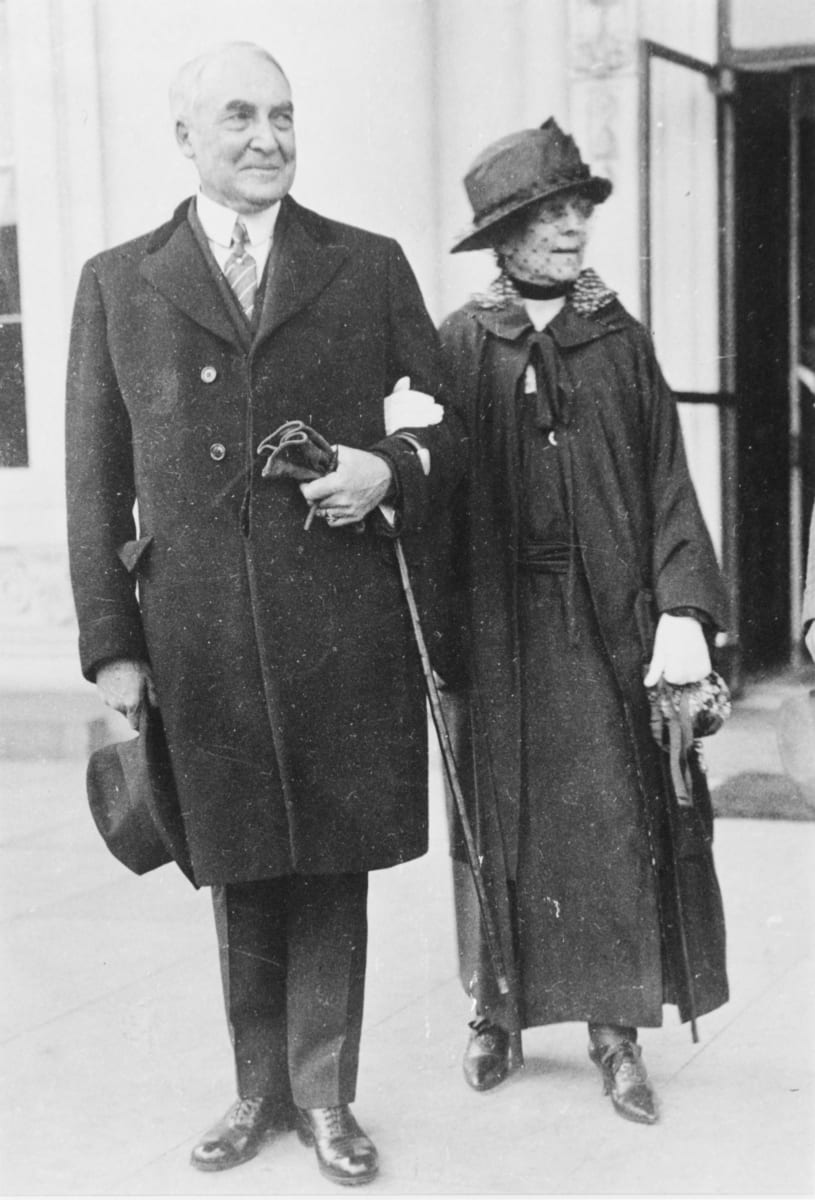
[(359, 479), (680, 652), (296, 451)]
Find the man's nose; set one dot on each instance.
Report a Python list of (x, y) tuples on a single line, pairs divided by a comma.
[(265, 136)]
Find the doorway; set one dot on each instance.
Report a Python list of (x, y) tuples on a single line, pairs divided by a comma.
[(774, 164)]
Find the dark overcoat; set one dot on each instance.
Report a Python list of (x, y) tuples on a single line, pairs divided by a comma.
[(644, 549), (290, 690)]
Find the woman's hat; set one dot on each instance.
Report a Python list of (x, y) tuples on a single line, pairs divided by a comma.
[(519, 169)]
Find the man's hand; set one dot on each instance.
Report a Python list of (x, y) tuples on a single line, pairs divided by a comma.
[(680, 652), (126, 686), (360, 482)]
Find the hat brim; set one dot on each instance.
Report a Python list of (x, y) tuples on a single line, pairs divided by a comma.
[(482, 235), (133, 800)]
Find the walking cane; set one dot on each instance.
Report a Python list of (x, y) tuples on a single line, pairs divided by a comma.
[(296, 451), (451, 771), (490, 932)]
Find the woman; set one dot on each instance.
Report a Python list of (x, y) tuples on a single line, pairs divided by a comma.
[(582, 554), (808, 615)]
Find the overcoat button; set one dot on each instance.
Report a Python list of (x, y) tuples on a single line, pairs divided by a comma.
[(217, 451), (209, 374)]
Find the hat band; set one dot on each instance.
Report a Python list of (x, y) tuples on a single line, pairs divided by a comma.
[(533, 190)]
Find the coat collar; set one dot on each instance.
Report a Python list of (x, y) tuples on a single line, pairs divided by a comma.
[(303, 266), (509, 320), (177, 267)]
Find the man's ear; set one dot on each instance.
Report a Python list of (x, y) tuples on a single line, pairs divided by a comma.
[(182, 136)]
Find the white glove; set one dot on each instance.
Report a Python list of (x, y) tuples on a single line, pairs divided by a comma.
[(405, 408), (680, 652)]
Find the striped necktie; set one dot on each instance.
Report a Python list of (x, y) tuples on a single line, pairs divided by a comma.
[(241, 270)]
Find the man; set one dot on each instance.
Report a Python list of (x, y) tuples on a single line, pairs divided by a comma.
[(279, 656), (582, 554)]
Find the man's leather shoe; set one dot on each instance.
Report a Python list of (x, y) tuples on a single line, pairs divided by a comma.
[(486, 1059), (345, 1153), (237, 1136), (625, 1080)]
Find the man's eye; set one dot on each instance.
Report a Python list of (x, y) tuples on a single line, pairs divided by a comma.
[(283, 120)]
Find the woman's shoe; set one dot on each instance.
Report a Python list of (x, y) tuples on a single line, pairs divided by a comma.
[(486, 1059), (625, 1080)]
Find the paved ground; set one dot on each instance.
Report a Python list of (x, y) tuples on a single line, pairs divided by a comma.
[(115, 1055)]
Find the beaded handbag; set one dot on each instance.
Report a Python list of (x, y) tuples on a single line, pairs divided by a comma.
[(706, 704), (682, 713)]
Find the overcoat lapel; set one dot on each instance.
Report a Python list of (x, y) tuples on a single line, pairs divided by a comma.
[(301, 269), (179, 271)]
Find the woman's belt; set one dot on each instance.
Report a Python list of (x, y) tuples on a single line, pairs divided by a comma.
[(546, 558)]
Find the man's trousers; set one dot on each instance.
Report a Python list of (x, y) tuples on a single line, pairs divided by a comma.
[(293, 954)]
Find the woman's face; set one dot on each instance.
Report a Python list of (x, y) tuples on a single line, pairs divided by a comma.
[(546, 245)]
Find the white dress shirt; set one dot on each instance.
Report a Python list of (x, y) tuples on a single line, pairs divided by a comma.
[(540, 313), (218, 222)]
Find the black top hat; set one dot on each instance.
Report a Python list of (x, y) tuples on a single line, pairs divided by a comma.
[(519, 169), (132, 798)]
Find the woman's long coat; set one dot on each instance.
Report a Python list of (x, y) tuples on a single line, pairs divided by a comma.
[(289, 686), (644, 549)]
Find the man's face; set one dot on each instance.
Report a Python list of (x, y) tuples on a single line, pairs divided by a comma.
[(240, 132), (546, 244)]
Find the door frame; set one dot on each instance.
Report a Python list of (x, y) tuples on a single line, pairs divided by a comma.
[(721, 82), (721, 77), (789, 60)]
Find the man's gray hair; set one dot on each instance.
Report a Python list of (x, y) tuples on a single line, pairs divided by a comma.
[(185, 87)]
